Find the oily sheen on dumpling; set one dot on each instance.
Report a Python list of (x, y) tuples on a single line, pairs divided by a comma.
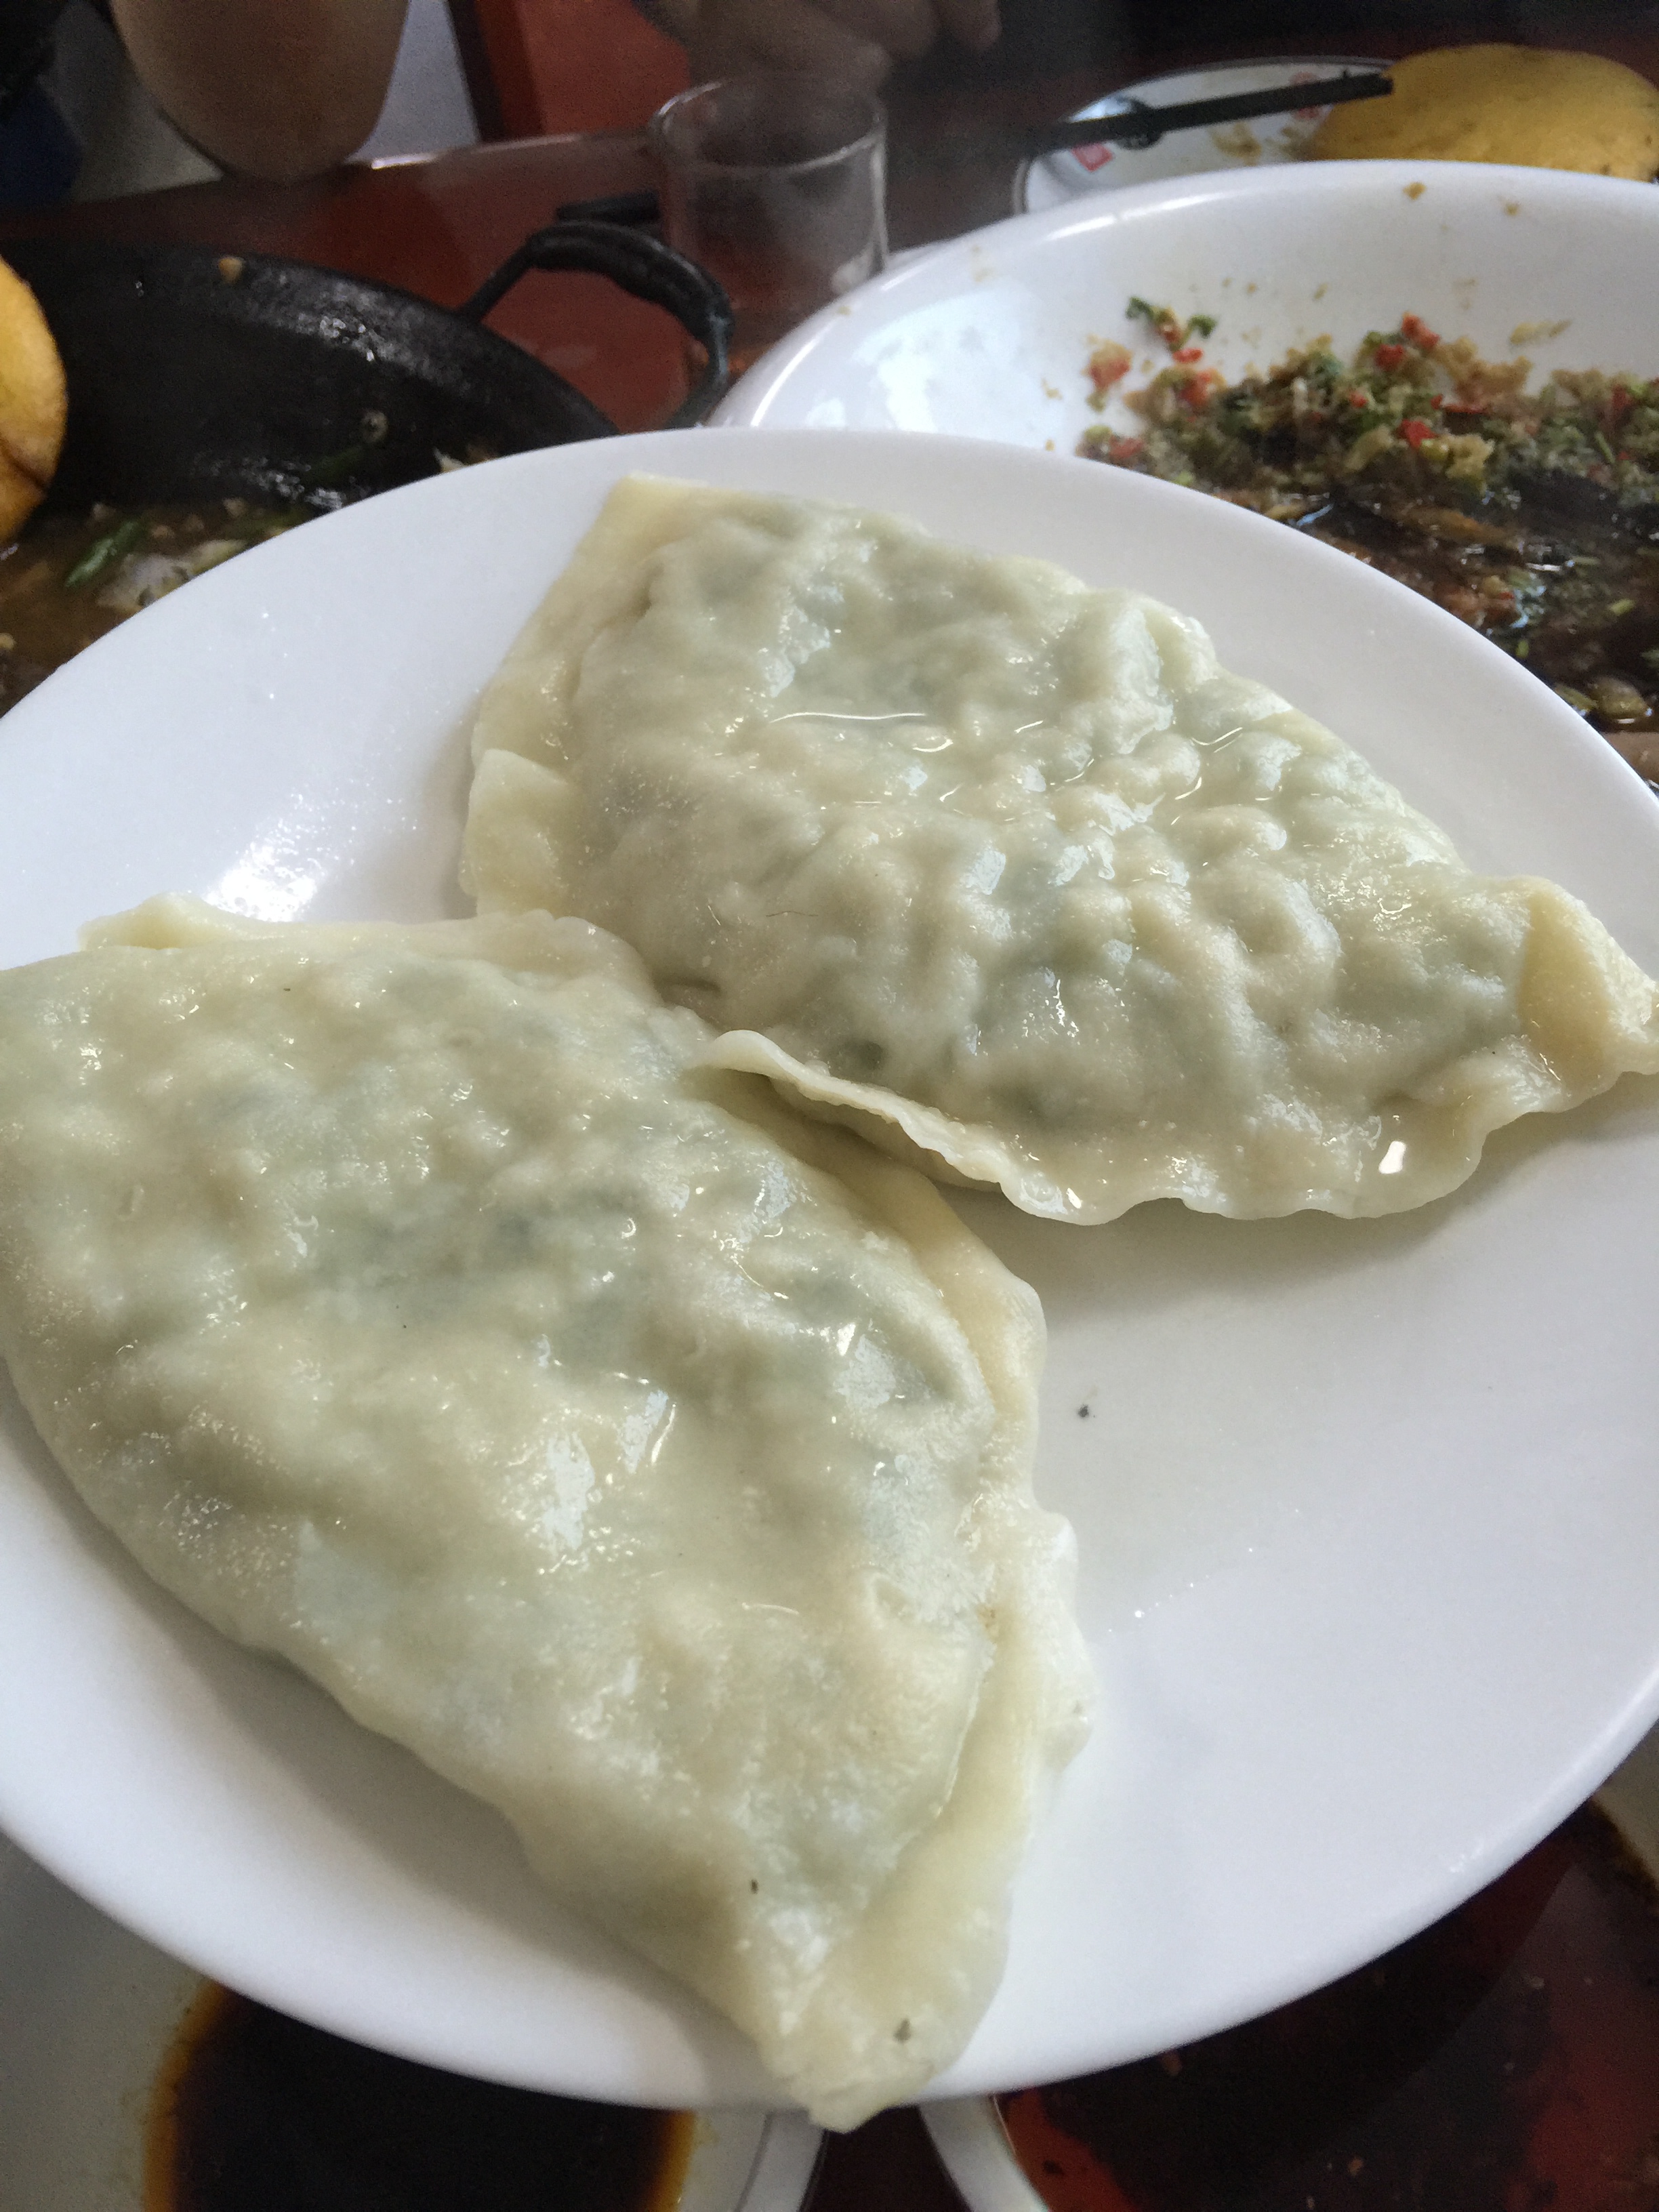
[(1011, 873), (654, 1465)]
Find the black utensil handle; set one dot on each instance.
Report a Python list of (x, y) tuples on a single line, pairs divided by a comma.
[(647, 268), (1140, 126)]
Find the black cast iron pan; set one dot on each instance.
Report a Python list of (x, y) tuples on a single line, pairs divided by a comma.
[(195, 375)]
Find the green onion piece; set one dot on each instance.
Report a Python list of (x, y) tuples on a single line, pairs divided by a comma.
[(1621, 606), (333, 467), (106, 550)]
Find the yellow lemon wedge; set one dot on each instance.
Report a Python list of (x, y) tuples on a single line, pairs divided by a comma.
[(34, 404)]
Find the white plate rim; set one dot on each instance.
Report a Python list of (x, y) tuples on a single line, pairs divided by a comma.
[(762, 397)]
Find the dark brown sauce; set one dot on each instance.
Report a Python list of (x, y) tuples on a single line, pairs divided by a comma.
[(253, 2112), (1591, 629), (1506, 2060)]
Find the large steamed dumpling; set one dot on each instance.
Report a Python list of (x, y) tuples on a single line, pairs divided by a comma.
[(654, 1465), (1011, 872)]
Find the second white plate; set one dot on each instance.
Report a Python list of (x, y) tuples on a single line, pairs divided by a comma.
[(989, 336)]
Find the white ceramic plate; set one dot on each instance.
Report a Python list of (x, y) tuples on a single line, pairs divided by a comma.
[(1368, 1526), (1055, 178), (989, 336)]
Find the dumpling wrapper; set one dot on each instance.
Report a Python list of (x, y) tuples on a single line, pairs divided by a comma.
[(654, 1465), (1010, 873)]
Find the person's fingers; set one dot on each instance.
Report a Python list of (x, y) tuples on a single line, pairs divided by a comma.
[(904, 29), (733, 35), (976, 23), (854, 39)]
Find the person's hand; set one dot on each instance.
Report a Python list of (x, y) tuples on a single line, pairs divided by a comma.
[(275, 89), (855, 39)]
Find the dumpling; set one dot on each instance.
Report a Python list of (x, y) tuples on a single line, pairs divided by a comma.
[(656, 1466), (1011, 873)]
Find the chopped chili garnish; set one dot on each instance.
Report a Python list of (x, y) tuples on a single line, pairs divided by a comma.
[(1528, 513), (1107, 363)]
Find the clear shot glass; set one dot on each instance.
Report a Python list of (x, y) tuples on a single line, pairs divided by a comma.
[(776, 183)]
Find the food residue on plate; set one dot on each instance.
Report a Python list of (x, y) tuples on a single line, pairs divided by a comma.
[(1532, 515)]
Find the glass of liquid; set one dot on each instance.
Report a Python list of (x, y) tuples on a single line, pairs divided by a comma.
[(776, 183)]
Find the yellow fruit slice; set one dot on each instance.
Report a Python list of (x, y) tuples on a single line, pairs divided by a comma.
[(1544, 109), (34, 404)]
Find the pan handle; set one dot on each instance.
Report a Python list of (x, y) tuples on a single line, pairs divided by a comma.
[(647, 268)]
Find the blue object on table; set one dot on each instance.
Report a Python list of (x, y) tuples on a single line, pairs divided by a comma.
[(40, 154)]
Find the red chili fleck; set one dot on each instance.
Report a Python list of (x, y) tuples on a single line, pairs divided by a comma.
[(1389, 358), (1414, 431), (1125, 449), (1194, 390), (1190, 353), (1620, 400), (1107, 363), (1416, 331), (1359, 399)]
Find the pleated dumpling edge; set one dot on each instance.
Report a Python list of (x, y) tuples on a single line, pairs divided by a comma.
[(1012, 875)]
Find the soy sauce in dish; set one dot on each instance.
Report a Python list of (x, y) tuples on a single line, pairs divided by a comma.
[(1506, 2060), (253, 2112)]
